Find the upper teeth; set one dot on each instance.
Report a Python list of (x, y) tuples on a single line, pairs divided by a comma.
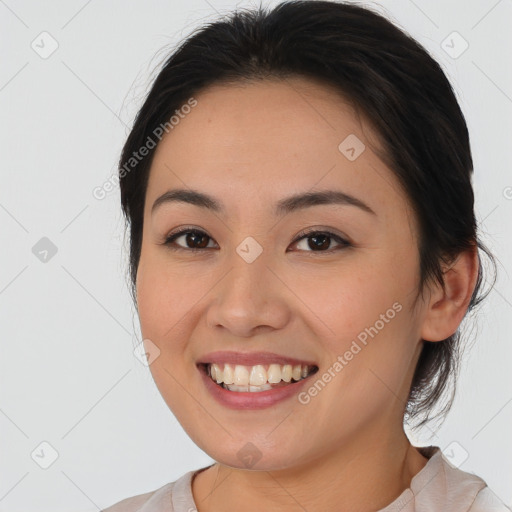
[(257, 375)]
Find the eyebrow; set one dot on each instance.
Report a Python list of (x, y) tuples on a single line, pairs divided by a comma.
[(282, 207)]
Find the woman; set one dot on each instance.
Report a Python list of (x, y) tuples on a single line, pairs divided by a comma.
[(303, 250)]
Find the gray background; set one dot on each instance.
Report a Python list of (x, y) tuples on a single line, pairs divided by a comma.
[(68, 373)]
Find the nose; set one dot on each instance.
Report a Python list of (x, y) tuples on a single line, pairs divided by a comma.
[(249, 298)]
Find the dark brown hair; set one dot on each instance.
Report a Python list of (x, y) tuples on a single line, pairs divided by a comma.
[(387, 75)]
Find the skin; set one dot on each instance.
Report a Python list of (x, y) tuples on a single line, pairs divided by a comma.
[(250, 145)]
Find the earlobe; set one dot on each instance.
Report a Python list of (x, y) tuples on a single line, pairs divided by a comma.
[(447, 308)]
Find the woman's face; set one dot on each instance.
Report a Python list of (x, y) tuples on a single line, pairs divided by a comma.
[(254, 290)]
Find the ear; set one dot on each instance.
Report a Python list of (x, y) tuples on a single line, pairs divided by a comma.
[(447, 308)]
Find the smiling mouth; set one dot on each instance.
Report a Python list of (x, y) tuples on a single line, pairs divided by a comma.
[(256, 378)]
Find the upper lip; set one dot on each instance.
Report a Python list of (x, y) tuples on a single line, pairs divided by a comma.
[(250, 358)]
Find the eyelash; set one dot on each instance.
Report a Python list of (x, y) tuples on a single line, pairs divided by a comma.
[(307, 233)]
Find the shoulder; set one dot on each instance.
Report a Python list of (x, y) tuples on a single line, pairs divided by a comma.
[(130, 504), (148, 502), (487, 501), (443, 486), (468, 484), (173, 496)]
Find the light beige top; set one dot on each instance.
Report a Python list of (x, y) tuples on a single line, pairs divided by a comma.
[(437, 487)]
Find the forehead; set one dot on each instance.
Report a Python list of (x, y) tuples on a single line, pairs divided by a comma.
[(264, 120), (268, 138)]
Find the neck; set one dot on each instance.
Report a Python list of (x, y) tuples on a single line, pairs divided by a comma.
[(359, 477)]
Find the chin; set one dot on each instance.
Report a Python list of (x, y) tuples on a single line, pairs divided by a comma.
[(250, 454)]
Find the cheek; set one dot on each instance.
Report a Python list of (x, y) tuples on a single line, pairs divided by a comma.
[(165, 298), (350, 298), (163, 306), (154, 303), (362, 316)]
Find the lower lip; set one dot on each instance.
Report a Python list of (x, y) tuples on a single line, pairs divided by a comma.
[(250, 400)]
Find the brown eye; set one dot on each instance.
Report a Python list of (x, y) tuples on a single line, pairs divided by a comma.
[(193, 239), (320, 241), (197, 240)]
